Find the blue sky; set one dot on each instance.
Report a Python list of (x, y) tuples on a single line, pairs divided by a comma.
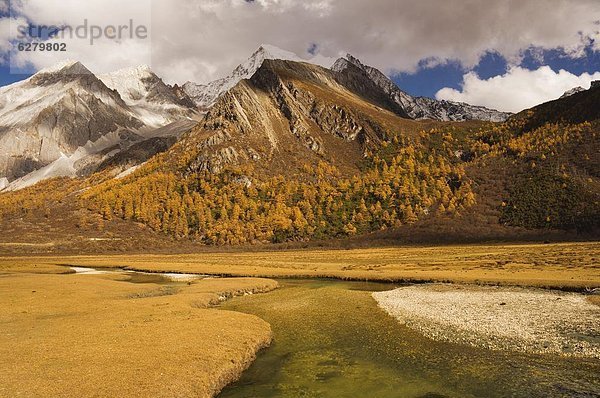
[(7, 78), (428, 81)]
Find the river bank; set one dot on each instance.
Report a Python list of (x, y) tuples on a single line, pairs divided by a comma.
[(158, 328), (564, 266), (524, 320), (114, 334)]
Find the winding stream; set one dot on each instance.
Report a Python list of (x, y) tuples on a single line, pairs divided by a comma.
[(331, 340), (140, 277)]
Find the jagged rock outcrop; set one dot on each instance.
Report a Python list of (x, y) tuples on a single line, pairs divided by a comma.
[(355, 74)]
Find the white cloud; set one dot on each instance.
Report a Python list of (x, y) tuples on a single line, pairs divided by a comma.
[(201, 40), (518, 89), (104, 55)]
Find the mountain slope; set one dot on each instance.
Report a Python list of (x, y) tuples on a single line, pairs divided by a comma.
[(53, 113), (415, 107), (578, 107), (286, 115), (153, 102), (552, 153)]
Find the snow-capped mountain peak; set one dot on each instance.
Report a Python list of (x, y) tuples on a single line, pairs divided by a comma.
[(54, 112), (204, 95), (271, 52), (251, 65), (131, 83), (65, 67), (46, 119)]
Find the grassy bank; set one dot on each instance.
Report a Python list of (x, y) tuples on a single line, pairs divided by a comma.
[(564, 266), (100, 335)]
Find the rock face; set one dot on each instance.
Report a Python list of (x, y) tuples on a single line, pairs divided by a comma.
[(205, 95), (64, 120), (287, 115), (53, 113), (351, 68)]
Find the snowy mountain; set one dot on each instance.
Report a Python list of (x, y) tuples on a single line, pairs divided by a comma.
[(64, 120), (572, 91), (417, 107), (205, 95), (153, 102), (54, 112)]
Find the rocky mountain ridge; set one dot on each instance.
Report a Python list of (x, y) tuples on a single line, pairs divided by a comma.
[(420, 107), (287, 115)]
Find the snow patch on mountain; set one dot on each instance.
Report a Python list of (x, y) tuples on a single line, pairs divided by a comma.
[(128, 172), (62, 167), (572, 91), (129, 82), (153, 102), (205, 95), (3, 183)]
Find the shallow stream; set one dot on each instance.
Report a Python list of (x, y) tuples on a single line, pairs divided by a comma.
[(331, 340)]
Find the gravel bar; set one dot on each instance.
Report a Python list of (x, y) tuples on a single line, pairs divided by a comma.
[(499, 318)]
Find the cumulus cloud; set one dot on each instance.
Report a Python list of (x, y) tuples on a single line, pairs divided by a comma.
[(518, 89), (203, 40)]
